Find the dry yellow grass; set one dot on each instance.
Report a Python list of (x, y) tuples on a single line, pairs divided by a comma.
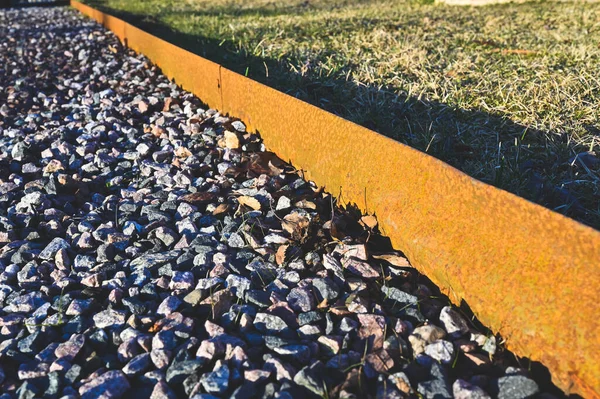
[(507, 93)]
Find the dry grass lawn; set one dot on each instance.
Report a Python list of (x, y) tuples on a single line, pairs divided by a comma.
[(507, 93)]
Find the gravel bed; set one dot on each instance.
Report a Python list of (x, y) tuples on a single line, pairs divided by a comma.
[(150, 247)]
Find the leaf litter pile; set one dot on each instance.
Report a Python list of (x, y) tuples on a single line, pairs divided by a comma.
[(153, 248)]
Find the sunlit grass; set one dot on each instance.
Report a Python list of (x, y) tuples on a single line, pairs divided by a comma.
[(508, 93)]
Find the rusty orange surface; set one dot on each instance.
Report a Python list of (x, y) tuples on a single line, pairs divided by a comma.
[(528, 273)]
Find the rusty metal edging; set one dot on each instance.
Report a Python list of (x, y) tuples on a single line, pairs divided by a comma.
[(528, 273)]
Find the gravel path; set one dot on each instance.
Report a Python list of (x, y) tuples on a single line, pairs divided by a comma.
[(152, 248)]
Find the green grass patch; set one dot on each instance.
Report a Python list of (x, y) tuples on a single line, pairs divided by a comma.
[(508, 93)]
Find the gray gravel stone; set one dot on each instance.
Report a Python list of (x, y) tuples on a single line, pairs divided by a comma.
[(464, 390), (216, 382), (110, 318), (516, 386), (442, 351), (112, 384)]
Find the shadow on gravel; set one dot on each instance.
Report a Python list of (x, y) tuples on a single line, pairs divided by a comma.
[(429, 126), (503, 358)]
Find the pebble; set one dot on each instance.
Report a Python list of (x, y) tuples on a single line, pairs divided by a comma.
[(112, 384), (461, 389), (442, 351), (216, 382), (454, 324), (516, 386)]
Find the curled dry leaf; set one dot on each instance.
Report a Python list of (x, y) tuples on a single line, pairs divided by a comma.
[(250, 202), (295, 224), (339, 311), (323, 304), (220, 209), (394, 260), (198, 198), (280, 255), (265, 163)]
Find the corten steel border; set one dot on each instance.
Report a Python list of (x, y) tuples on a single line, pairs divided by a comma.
[(526, 272)]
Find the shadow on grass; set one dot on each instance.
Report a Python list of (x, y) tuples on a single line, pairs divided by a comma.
[(429, 126)]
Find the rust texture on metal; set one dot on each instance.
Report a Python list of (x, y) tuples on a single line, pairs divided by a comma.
[(528, 273)]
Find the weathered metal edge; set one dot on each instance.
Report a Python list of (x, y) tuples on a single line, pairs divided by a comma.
[(528, 273)]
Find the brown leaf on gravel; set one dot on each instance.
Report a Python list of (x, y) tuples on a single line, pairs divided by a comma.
[(372, 329), (369, 221), (198, 198), (250, 240), (341, 312), (323, 304), (337, 227), (295, 224), (280, 255), (394, 260), (265, 163), (250, 202), (221, 208), (380, 361)]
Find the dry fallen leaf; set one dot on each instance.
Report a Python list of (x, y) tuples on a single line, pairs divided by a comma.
[(198, 198), (250, 202), (370, 221), (221, 208), (295, 224), (393, 259), (280, 255), (265, 163), (339, 311), (323, 304), (250, 240)]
